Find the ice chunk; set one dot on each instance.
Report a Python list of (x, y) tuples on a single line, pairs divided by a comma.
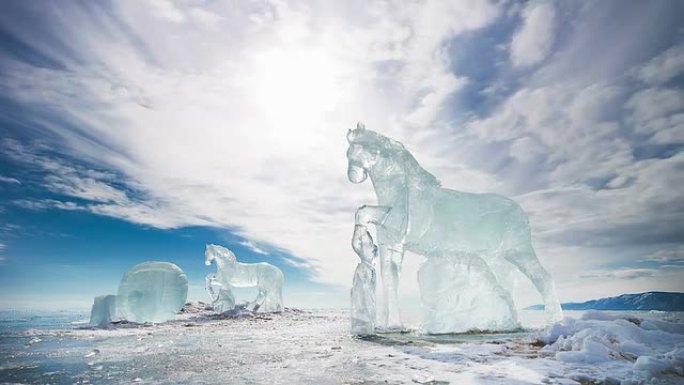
[(647, 367), (222, 300), (230, 273), (363, 290), (415, 213), (650, 348), (103, 310), (452, 291), (152, 292)]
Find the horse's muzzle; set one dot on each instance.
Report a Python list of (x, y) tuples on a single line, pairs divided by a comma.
[(356, 174)]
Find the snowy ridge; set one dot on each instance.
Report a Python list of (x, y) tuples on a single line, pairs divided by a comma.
[(639, 349), (652, 300)]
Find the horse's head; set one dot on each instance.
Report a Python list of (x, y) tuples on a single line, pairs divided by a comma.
[(362, 153), (213, 252)]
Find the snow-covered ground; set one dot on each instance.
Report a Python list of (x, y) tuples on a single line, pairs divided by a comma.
[(314, 347)]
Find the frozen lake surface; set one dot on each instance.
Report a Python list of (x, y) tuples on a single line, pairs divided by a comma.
[(314, 347)]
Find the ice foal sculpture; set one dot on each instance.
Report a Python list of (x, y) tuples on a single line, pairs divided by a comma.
[(230, 273), (471, 241), (363, 289)]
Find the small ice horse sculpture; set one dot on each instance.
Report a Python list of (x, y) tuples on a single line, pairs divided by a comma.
[(230, 273), (486, 234)]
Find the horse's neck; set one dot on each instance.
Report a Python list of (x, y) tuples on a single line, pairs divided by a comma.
[(389, 180), (224, 265)]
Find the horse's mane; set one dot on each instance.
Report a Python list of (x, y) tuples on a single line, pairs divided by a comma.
[(390, 148), (220, 251)]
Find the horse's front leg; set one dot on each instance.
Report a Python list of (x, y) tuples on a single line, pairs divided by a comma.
[(258, 301), (375, 215), (371, 215), (209, 282), (391, 257)]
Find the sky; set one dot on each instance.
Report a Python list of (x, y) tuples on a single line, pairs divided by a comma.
[(144, 130)]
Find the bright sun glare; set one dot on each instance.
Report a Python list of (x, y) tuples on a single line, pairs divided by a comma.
[(294, 86)]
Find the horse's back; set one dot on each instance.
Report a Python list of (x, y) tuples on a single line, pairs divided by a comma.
[(258, 274), (448, 219)]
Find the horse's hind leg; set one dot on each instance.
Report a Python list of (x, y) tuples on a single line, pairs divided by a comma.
[(390, 268), (524, 258), (258, 301), (272, 302)]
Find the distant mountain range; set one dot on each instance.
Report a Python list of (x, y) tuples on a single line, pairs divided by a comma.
[(652, 300)]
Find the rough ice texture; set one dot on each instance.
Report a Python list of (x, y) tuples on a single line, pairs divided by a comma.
[(302, 347), (222, 300), (415, 213), (230, 273), (103, 310), (454, 289), (654, 346), (363, 289), (152, 292)]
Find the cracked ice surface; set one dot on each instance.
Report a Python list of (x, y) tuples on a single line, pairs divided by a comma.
[(314, 347)]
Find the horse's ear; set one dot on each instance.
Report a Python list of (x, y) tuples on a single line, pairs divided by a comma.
[(352, 134)]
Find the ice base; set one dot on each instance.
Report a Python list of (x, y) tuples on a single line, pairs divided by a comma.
[(103, 310), (462, 294)]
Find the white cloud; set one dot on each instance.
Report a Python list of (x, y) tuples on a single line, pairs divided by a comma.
[(298, 263), (85, 188), (654, 103), (252, 246), (667, 256), (663, 67), (646, 211), (4, 179), (242, 125), (235, 115), (166, 10), (567, 126), (533, 41), (659, 113), (622, 274)]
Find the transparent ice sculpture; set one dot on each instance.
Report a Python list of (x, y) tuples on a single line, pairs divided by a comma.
[(230, 273), (462, 294), (414, 213), (363, 289), (103, 310), (222, 300), (152, 292)]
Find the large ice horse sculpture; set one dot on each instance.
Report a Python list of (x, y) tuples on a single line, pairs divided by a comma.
[(230, 273), (471, 241)]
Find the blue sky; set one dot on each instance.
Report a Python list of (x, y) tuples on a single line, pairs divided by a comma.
[(142, 130)]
